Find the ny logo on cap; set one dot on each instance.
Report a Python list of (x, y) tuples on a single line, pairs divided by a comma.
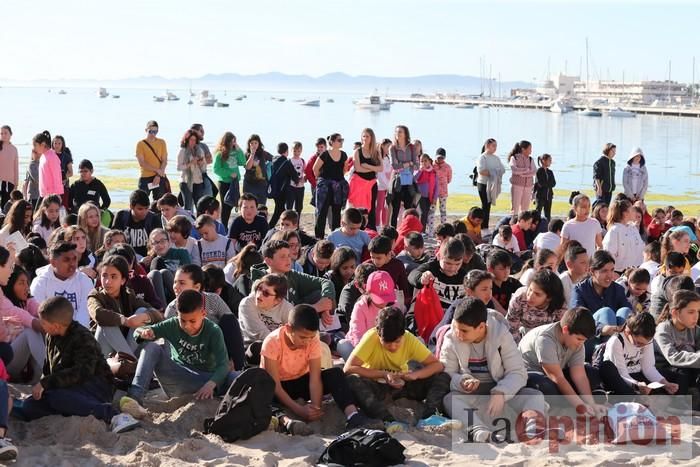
[(383, 285)]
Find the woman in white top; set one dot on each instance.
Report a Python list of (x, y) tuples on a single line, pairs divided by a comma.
[(383, 184), (489, 178), (191, 164), (622, 239)]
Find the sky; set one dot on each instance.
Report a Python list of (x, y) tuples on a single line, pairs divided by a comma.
[(520, 40)]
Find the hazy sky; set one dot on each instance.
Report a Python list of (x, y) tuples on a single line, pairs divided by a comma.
[(57, 39)]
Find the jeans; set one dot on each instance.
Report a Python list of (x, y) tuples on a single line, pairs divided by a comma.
[(344, 349), (191, 196), (333, 381), (458, 403), (540, 381), (485, 204), (28, 347), (322, 215), (605, 317), (370, 394), (143, 185), (162, 281), (111, 338), (520, 196), (4, 409), (94, 397), (225, 208), (259, 190), (174, 378), (295, 199)]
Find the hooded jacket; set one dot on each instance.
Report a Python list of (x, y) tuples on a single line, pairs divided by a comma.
[(504, 360), (408, 224), (628, 176), (604, 170), (76, 289), (303, 288)]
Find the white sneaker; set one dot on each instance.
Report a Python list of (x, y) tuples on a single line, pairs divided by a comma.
[(123, 422), (8, 451)]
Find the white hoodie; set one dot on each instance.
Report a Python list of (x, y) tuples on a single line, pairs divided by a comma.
[(76, 289)]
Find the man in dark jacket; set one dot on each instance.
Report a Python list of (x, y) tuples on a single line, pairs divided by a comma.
[(283, 173)]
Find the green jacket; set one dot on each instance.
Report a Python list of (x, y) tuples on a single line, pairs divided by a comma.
[(223, 169), (303, 288)]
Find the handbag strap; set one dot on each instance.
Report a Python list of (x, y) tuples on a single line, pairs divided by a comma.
[(160, 161)]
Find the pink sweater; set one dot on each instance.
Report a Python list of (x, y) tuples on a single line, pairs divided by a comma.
[(50, 179), (523, 169), (9, 310), (444, 173), (364, 317)]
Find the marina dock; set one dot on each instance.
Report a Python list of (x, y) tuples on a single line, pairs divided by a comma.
[(545, 105)]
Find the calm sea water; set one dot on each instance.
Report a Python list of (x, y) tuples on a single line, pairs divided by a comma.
[(104, 130)]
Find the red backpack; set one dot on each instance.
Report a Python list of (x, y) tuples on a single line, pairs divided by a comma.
[(427, 311)]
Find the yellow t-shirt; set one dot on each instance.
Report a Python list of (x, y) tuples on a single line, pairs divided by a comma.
[(376, 357), (474, 229), (149, 158)]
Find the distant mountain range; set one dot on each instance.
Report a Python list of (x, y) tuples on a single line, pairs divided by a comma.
[(279, 81)]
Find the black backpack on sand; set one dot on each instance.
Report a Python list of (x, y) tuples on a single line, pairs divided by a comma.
[(362, 447), (246, 408)]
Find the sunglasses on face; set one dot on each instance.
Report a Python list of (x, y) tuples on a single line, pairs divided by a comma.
[(266, 294), (152, 132)]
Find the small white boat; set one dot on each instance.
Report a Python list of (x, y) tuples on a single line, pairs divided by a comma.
[(483, 106), (330, 101), (311, 103), (240, 98), (171, 97), (589, 112), (62, 92), (372, 103), (222, 104), (189, 102), (281, 99), (619, 113), (559, 107), (158, 99), (206, 99), (102, 93), (464, 106), (115, 96), (423, 106)]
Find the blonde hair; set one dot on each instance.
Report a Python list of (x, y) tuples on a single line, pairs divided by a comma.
[(95, 237)]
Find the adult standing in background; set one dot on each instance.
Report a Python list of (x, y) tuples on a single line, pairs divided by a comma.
[(363, 182), (9, 159), (228, 157), (604, 174), (489, 179), (331, 188), (152, 155), (49, 166), (66, 157), (192, 165), (404, 161), (522, 179), (256, 178), (209, 188)]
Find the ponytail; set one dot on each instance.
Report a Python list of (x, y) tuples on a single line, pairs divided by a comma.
[(542, 158), (518, 148), (43, 138), (486, 143), (680, 300)]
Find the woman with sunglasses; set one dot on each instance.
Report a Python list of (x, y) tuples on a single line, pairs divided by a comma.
[(331, 187), (152, 155), (405, 161)]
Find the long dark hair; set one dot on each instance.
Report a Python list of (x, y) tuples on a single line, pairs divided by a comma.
[(681, 299), (15, 217), (225, 145), (9, 289), (5, 127), (261, 146), (43, 138), (518, 148), (550, 284), (486, 143)]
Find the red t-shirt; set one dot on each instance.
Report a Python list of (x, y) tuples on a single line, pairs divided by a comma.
[(520, 236)]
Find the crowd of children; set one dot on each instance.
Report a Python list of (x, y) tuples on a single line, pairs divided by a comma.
[(197, 289)]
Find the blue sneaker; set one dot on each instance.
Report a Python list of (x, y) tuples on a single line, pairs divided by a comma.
[(438, 423)]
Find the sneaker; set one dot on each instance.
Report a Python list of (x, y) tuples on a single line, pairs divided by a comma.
[(123, 422), (298, 428), (438, 423), (8, 451), (359, 420), (395, 427), (132, 407), (479, 434)]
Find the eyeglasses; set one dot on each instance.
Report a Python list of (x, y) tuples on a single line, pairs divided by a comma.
[(152, 132), (161, 241), (265, 293)]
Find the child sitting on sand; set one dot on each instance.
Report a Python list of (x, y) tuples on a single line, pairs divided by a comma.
[(195, 362), (292, 356), (76, 379), (378, 367)]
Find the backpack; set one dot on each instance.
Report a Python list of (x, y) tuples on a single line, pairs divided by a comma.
[(246, 408), (474, 176), (599, 352), (363, 447)]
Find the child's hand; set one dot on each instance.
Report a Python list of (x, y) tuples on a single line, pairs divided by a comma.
[(145, 334), (426, 278), (206, 391), (470, 385), (37, 391)]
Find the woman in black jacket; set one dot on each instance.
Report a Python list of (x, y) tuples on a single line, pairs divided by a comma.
[(544, 186)]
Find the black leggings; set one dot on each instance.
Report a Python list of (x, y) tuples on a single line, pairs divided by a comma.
[(279, 209), (295, 199), (546, 205), (404, 196), (225, 208), (424, 205), (485, 205), (333, 382), (372, 213), (233, 340)]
